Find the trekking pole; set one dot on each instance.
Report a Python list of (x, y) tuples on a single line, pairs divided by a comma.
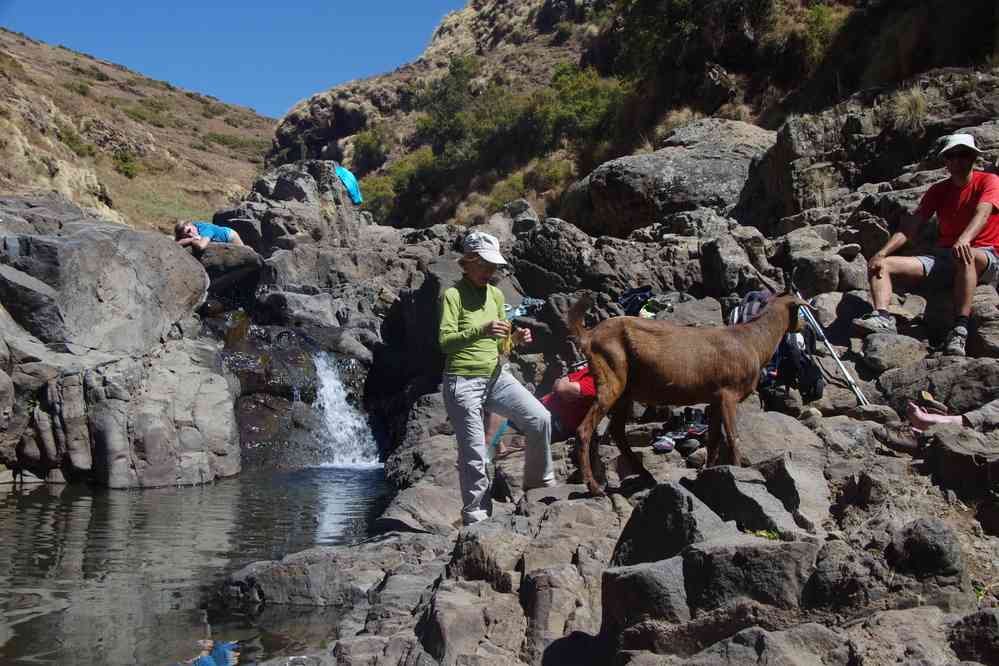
[(810, 318)]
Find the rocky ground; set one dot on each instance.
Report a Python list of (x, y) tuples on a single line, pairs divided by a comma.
[(830, 547), (834, 546)]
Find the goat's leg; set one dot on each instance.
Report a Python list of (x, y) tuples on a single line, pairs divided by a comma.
[(585, 434), (728, 407), (619, 418), (714, 434)]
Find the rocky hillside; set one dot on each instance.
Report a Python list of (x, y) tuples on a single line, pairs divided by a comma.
[(841, 542), (134, 149), (504, 104), (519, 41)]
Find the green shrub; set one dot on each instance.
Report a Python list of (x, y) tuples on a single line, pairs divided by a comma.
[(11, 69), (90, 71), (210, 110), (548, 174), (145, 115), (371, 149), (822, 23), (563, 31), (79, 87), (510, 188), (126, 164), (379, 197), (247, 147), (74, 141)]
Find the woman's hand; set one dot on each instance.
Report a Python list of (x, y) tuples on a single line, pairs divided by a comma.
[(497, 328), (522, 336)]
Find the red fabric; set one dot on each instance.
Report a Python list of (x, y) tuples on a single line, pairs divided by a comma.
[(955, 207), (571, 412)]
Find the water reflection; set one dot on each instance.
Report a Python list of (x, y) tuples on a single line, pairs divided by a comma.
[(89, 576)]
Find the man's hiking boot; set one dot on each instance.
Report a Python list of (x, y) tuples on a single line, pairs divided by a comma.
[(956, 342), (874, 322), (899, 437)]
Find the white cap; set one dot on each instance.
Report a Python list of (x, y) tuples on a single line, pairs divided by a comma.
[(484, 245), (955, 140)]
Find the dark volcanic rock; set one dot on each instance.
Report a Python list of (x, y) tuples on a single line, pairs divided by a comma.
[(669, 519), (703, 165)]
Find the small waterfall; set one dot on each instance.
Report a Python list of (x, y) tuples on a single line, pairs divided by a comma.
[(351, 443)]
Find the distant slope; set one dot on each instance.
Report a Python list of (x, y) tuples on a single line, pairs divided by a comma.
[(137, 150)]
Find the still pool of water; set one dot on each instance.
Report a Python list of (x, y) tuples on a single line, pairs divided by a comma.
[(92, 576)]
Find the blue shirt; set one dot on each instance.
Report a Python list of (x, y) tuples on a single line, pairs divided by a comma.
[(348, 180), (213, 232)]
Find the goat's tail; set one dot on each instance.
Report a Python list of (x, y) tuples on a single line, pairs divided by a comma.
[(575, 320)]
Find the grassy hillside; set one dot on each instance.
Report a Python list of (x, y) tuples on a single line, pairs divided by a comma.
[(140, 151)]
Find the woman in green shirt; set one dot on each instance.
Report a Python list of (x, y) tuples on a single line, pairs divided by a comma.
[(473, 327)]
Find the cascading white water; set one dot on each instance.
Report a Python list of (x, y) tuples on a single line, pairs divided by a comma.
[(351, 443)]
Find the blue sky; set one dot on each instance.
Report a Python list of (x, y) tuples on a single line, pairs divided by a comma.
[(266, 55)]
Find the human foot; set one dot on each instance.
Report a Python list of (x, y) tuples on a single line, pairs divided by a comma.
[(922, 419)]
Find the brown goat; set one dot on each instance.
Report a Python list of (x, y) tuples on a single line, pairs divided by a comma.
[(661, 363)]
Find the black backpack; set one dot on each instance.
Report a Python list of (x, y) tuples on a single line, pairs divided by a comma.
[(793, 364), (632, 300)]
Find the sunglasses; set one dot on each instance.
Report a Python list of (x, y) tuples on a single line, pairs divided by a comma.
[(960, 155)]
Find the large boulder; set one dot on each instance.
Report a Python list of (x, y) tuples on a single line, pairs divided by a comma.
[(292, 205), (108, 384), (962, 384), (98, 286), (702, 165), (666, 521), (555, 256), (819, 160)]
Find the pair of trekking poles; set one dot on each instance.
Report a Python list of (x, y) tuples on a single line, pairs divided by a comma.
[(817, 328)]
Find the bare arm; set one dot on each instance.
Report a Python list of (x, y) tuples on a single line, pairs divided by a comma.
[(962, 246), (565, 389), (906, 233)]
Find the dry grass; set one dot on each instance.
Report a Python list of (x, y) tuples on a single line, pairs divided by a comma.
[(673, 119), (736, 111), (906, 110), (189, 151)]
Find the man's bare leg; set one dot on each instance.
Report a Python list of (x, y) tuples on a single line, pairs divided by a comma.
[(920, 419), (881, 285), (965, 281)]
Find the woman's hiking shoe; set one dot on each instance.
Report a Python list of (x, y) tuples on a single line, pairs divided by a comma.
[(956, 342), (875, 322)]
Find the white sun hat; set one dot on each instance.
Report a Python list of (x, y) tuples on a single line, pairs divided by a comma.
[(484, 245), (955, 140)]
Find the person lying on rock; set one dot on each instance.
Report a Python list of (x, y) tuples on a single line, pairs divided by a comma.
[(967, 208), (568, 402), (200, 234), (473, 327)]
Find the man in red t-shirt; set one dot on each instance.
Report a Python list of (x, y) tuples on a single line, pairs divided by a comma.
[(967, 209)]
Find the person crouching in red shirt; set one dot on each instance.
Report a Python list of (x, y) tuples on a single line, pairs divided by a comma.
[(569, 401), (967, 208)]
